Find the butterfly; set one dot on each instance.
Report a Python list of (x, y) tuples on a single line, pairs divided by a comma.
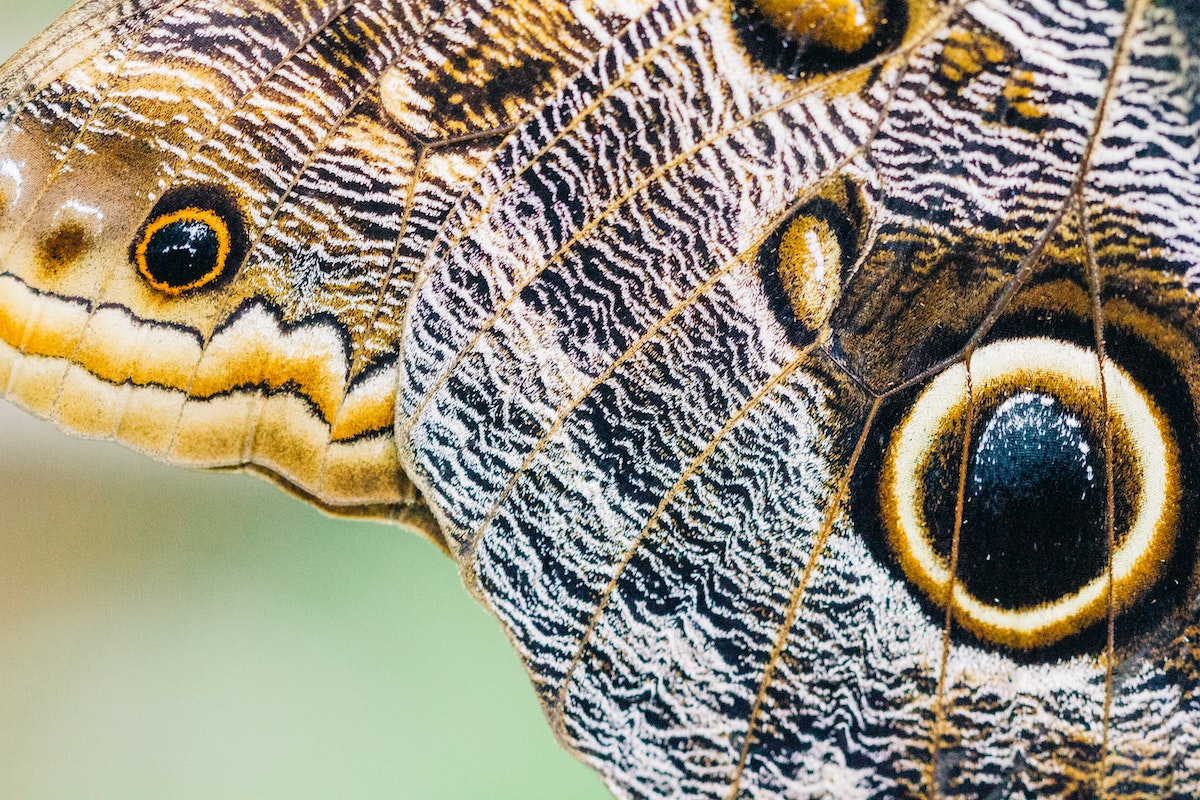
[(808, 388)]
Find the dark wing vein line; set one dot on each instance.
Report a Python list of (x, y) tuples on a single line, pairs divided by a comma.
[(670, 313), (1024, 270), (423, 276), (191, 152), (1029, 262), (1075, 194), (602, 601), (442, 243), (318, 148), (229, 300), (678, 308), (1095, 286), (555, 713), (102, 101), (939, 718), (822, 537), (401, 232), (1134, 11), (51, 51), (832, 514)]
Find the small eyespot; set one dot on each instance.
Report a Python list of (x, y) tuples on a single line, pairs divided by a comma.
[(184, 250), (802, 263), (835, 25), (192, 239), (1032, 550), (799, 37)]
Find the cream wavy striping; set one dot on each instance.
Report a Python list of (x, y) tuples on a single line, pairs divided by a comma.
[(263, 397)]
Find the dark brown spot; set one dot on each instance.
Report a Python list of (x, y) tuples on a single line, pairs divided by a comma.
[(63, 246)]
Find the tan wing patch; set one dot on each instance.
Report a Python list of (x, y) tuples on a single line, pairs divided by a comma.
[(207, 245)]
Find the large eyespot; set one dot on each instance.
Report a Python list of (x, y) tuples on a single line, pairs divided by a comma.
[(193, 238), (797, 37), (1032, 544)]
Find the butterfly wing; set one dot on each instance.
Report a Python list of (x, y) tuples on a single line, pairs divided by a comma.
[(213, 213), (714, 331), (733, 349)]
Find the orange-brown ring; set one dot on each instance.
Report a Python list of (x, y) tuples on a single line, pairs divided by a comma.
[(190, 214)]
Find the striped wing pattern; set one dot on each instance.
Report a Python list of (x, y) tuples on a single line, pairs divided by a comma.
[(524, 276), (652, 482)]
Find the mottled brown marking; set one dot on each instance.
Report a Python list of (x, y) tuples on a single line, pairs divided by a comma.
[(1022, 102), (520, 54), (969, 53)]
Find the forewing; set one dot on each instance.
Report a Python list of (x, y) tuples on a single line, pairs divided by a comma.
[(213, 212)]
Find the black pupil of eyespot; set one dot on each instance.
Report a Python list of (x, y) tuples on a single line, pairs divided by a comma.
[(181, 253), (1033, 508)]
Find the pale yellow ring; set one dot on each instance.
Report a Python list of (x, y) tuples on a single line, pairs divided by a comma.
[(1020, 363)]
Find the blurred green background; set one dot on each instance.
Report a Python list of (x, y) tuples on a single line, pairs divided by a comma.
[(168, 634)]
